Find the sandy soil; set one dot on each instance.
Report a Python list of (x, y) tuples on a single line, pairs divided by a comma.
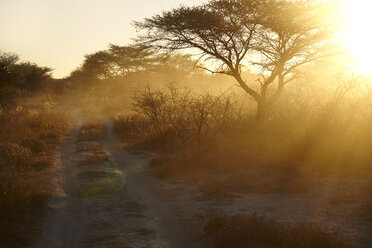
[(344, 219)]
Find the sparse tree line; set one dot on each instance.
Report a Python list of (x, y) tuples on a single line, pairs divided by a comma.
[(274, 38)]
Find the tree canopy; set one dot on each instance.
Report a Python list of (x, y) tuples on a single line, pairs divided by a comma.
[(18, 78), (117, 61)]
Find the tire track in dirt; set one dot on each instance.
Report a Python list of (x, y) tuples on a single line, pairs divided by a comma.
[(108, 203), (62, 227)]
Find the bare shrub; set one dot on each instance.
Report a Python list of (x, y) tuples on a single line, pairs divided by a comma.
[(176, 117)]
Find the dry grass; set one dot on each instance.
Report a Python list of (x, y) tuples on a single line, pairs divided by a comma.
[(94, 158), (28, 139), (89, 148), (92, 239), (220, 177), (117, 244), (95, 154), (91, 131), (92, 175), (207, 140), (254, 231)]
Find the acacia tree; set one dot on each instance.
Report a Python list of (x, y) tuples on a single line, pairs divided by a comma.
[(117, 61), (275, 36)]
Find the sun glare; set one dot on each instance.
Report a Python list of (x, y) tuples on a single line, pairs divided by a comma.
[(356, 35)]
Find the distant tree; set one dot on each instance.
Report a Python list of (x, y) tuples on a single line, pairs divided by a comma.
[(98, 65), (128, 59), (274, 36), (18, 78), (7, 62), (115, 62)]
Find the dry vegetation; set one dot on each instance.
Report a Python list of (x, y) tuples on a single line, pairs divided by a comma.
[(94, 153), (214, 135), (210, 141), (91, 131), (254, 231), (94, 158), (28, 139), (89, 148)]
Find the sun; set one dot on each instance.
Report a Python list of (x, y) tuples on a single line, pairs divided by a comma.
[(356, 34)]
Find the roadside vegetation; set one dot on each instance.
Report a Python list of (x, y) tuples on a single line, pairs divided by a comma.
[(28, 140), (29, 137)]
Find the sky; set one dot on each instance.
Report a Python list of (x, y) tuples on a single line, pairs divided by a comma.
[(58, 33)]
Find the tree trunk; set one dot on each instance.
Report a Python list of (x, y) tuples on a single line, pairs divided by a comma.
[(261, 110)]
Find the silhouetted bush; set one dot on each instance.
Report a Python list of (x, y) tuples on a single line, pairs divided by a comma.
[(168, 119)]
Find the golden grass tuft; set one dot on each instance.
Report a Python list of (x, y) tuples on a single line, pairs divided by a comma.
[(94, 158), (91, 131)]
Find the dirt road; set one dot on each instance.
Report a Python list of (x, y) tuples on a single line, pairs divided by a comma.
[(109, 204)]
